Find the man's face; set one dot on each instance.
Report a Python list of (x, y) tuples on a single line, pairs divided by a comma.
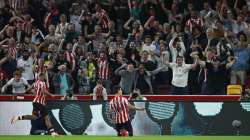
[(209, 54), (239, 18), (63, 18), (132, 44), (193, 14), (17, 77), (42, 77), (162, 47), (71, 28), (167, 28), (156, 24), (141, 70), (119, 58), (69, 46), (63, 69), (40, 62), (10, 31), (148, 40), (111, 24), (51, 48), (173, 7), (130, 68), (178, 46), (88, 17), (119, 39), (51, 29), (206, 6), (25, 55), (102, 56), (179, 61), (190, 6), (136, 25), (134, 2), (242, 38), (81, 39)]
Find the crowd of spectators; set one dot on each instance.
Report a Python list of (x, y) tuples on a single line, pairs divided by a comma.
[(195, 46)]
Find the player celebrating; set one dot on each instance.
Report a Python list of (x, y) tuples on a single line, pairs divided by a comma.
[(39, 109), (119, 106)]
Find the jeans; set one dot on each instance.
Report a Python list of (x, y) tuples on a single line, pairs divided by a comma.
[(179, 90)]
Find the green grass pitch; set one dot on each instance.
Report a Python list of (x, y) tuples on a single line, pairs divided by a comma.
[(125, 138)]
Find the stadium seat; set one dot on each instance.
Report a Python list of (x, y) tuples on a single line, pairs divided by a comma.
[(234, 89)]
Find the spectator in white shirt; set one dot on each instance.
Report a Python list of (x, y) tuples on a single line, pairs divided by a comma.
[(239, 24), (82, 44), (18, 84), (26, 65), (180, 76), (148, 46), (61, 28), (99, 92)]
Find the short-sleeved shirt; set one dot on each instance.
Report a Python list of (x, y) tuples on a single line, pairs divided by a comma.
[(40, 88), (119, 105)]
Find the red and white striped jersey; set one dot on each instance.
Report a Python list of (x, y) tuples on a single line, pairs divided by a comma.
[(11, 50), (40, 88), (119, 106), (103, 70), (103, 16)]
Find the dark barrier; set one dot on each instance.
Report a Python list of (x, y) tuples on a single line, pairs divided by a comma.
[(199, 98), (167, 118), (164, 115), (173, 118)]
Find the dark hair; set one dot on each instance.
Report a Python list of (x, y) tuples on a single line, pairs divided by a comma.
[(215, 58), (17, 72), (180, 57), (116, 89), (178, 24), (147, 36), (242, 33), (26, 51), (99, 81)]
